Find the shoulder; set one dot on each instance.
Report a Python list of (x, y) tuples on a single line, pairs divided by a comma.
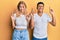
[(46, 14), (13, 15), (35, 14)]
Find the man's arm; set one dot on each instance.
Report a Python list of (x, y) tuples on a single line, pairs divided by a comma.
[(53, 22), (32, 22), (32, 18)]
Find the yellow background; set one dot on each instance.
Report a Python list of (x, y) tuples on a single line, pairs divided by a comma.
[(7, 6)]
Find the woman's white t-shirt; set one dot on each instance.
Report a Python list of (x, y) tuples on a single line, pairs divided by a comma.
[(21, 21)]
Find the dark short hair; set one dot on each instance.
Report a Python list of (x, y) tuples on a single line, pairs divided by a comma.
[(21, 2), (40, 3)]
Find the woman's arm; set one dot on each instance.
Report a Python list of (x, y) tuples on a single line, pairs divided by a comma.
[(13, 21), (28, 20)]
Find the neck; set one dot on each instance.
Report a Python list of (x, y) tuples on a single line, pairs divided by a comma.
[(20, 12), (40, 13)]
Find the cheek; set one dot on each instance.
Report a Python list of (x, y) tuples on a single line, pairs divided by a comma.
[(40, 8), (22, 8)]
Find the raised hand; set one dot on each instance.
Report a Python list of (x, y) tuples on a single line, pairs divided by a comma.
[(32, 12), (51, 11)]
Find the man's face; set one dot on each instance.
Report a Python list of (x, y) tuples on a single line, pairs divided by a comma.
[(40, 7)]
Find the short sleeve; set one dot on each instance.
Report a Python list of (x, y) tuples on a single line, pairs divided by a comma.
[(49, 19), (35, 17)]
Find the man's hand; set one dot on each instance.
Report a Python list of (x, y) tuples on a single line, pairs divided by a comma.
[(51, 11)]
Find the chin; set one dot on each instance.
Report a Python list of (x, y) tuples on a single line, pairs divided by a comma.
[(40, 11)]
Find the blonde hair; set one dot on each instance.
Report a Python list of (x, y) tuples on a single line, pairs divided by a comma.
[(21, 2)]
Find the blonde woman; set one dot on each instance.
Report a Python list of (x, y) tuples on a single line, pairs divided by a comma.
[(20, 23)]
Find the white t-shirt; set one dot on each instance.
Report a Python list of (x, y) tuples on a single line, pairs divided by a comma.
[(40, 26), (21, 21)]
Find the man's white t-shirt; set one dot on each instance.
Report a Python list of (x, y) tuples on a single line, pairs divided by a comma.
[(40, 25)]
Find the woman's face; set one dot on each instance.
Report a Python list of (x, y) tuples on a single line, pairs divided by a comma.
[(22, 8)]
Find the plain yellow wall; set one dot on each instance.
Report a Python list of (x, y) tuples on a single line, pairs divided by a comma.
[(7, 6)]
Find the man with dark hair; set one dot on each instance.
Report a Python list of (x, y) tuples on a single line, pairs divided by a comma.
[(39, 22)]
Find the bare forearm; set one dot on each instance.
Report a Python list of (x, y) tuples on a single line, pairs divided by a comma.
[(53, 20), (13, 24), (32, 22)]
